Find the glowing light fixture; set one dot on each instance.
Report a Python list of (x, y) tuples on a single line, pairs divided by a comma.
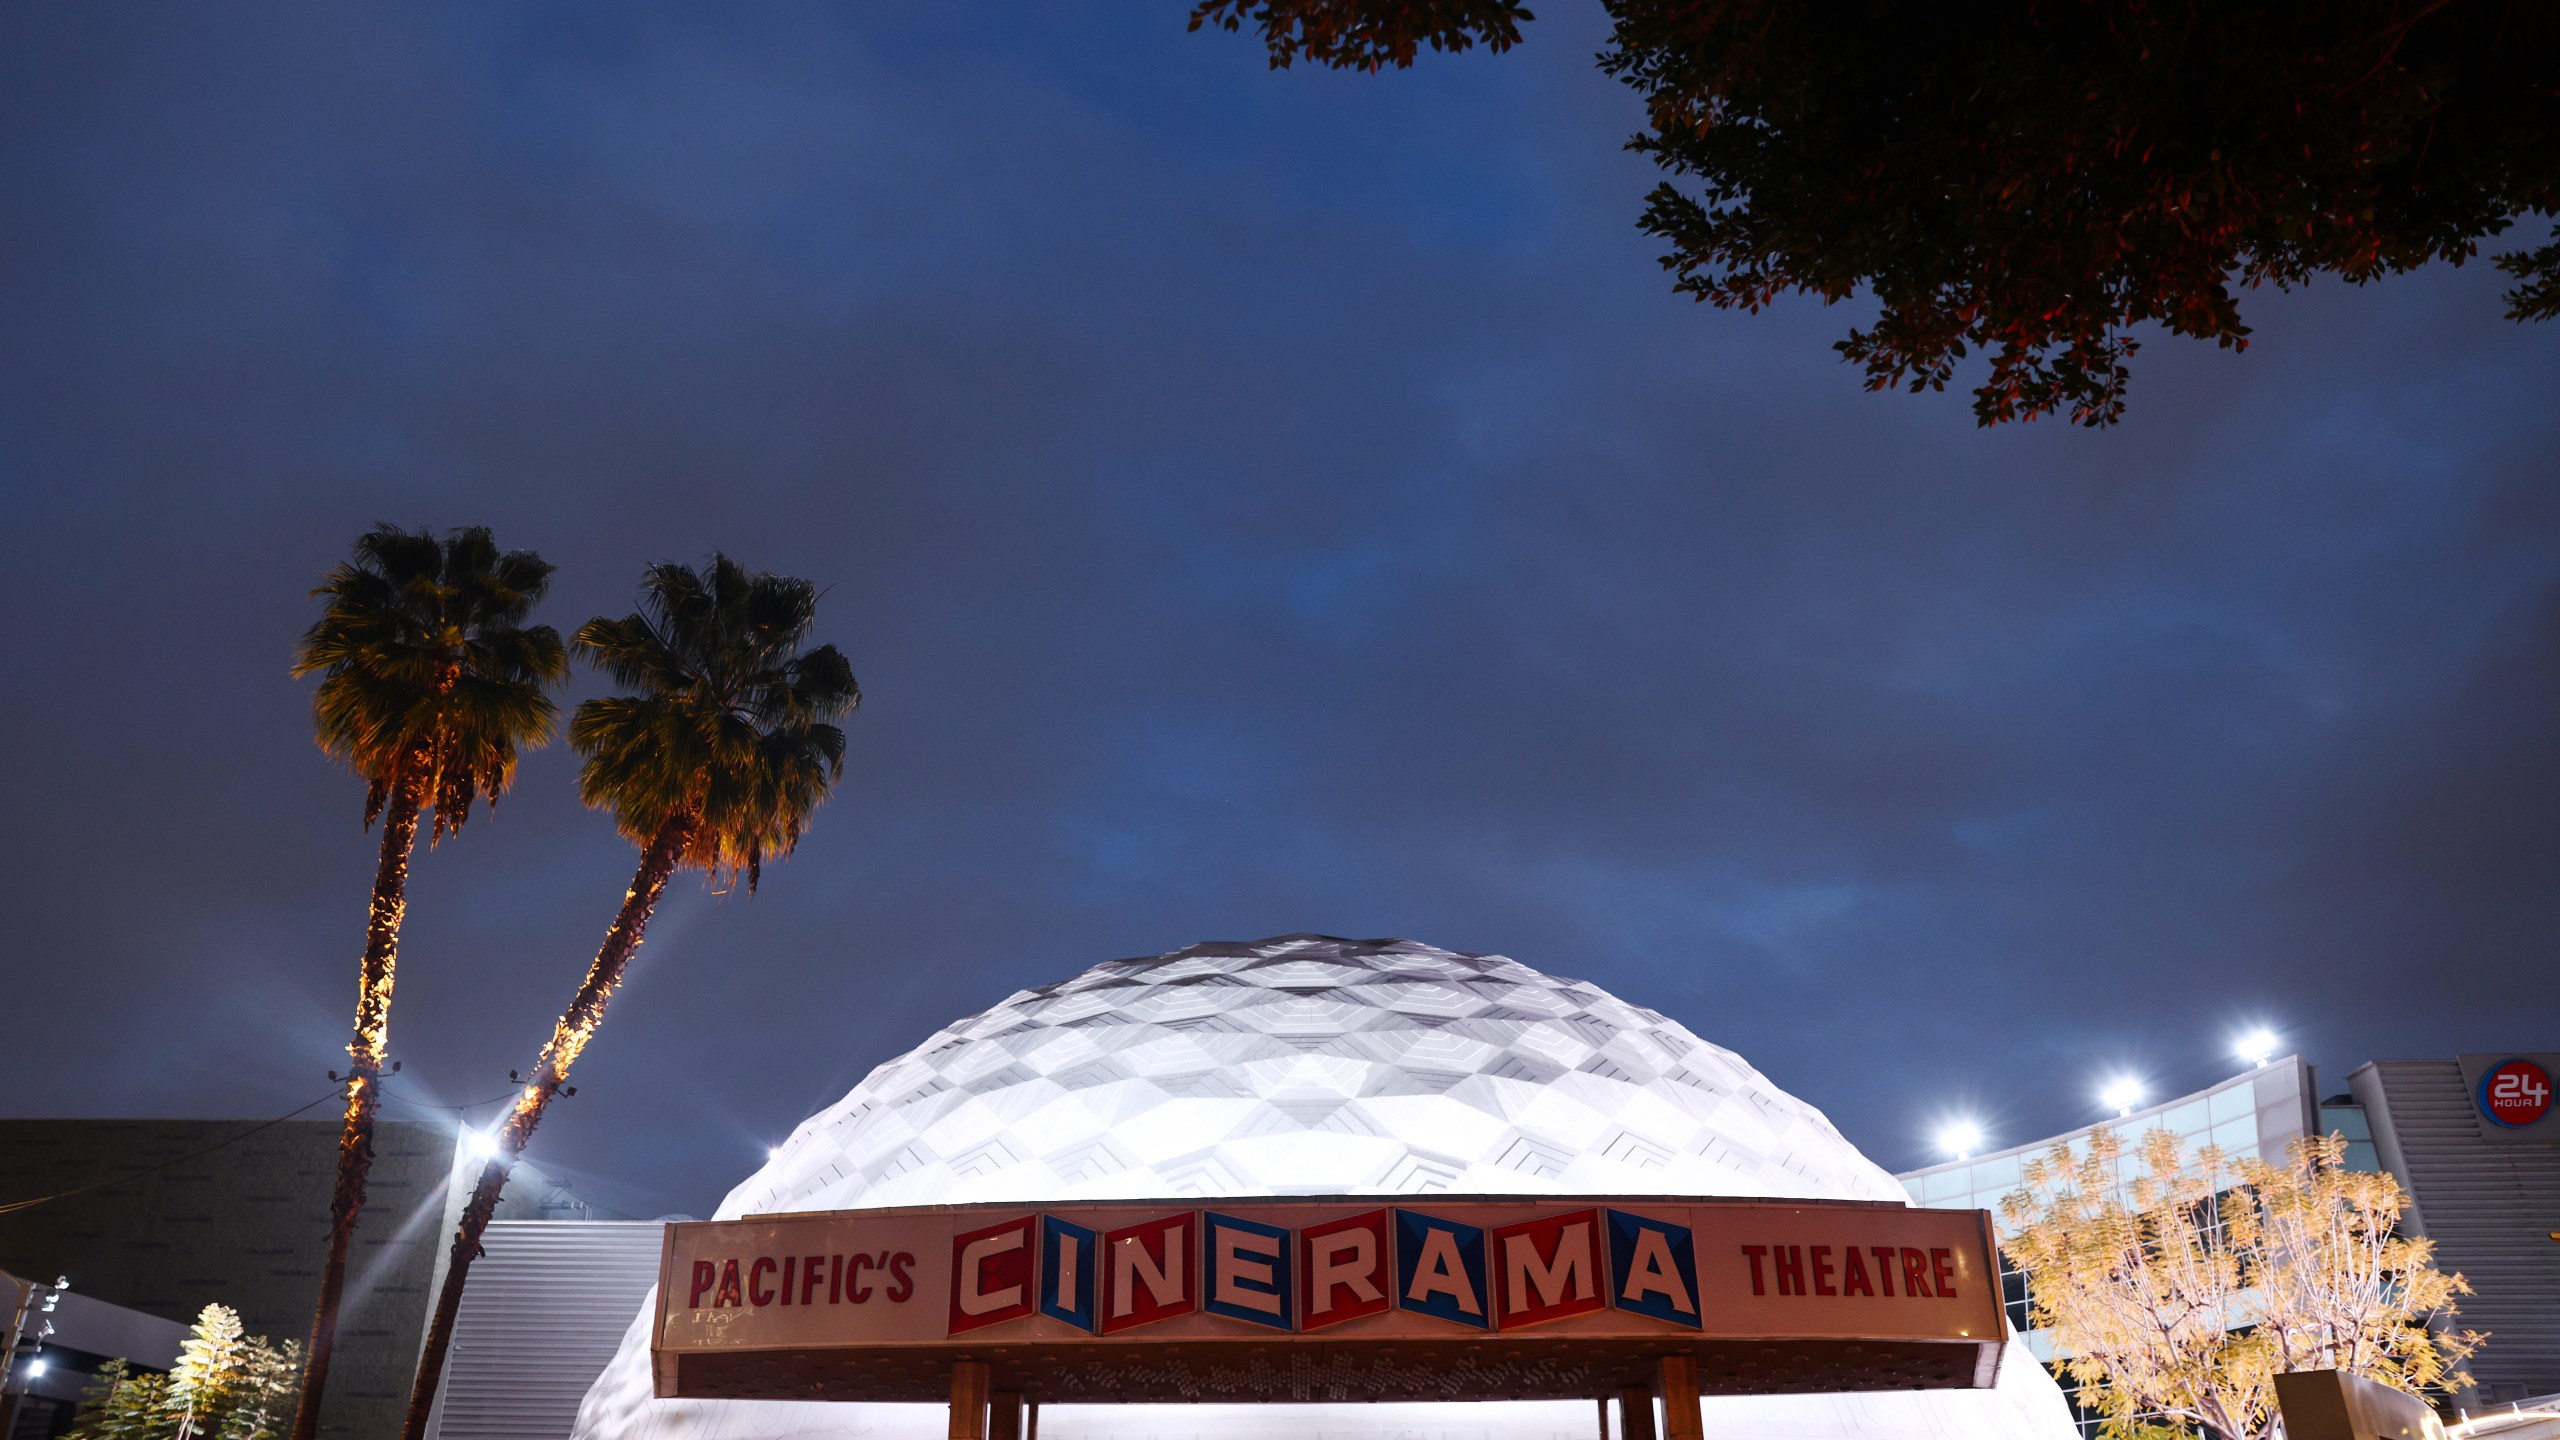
[(35, 1368), (479, 1145), (2121, 1094), (1960, 1139), (2258, 1047)]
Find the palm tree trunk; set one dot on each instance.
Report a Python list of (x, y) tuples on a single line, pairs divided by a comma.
[(367, 1050), (569, 1037)]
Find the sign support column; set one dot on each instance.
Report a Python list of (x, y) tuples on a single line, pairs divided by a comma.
[(1635, 1413), (1004, 1416), (968, 1400), (1681, 1419)]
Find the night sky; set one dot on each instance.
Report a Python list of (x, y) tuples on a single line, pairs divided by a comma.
[(1252, 503)]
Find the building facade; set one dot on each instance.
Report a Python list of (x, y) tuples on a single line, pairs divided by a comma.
[(1293, 1066), (242, 1224), (164, 1217), (2486, 1191)]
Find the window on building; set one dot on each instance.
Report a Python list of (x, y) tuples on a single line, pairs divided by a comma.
[(2341, 1116)]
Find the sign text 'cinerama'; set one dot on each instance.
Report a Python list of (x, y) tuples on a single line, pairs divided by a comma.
[(1333, 1298), (1106, 1270)]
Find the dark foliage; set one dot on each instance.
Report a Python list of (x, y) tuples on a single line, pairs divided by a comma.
[(729, 730), (1367, 36), (2034, 181), (428, 673)]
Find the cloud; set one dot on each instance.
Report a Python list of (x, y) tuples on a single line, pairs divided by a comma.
[(1253, 503)]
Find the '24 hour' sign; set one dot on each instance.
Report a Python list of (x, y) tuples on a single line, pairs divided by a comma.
[(2512, 1094)]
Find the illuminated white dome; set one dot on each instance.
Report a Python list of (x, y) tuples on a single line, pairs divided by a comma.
[(1300, 1065)]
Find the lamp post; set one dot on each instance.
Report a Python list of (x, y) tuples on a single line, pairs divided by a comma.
[(23, 1306)]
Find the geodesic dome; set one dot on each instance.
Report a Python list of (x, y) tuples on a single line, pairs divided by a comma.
[(1305, 1065)]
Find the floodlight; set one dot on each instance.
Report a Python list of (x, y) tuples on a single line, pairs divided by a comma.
[(35, 1368), (2121, 1094), (2258, 1047), (1960, 1139), (479, 1145)]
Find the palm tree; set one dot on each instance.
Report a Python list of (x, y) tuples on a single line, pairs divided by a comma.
[(715, 764), (430, 681)]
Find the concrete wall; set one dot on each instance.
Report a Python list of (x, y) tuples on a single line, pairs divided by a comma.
[(245, 1226)]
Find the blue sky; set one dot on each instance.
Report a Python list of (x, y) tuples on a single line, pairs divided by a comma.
[(1253, 503)]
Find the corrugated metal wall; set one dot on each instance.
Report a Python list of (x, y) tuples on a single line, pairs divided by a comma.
[(544, 1310), (2490, 1208)]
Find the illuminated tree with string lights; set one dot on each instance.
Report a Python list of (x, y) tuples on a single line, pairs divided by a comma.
[(2175, 1299), (430, 682), (227, 1385), (715, 763)]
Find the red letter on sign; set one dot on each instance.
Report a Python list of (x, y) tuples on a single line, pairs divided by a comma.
[(758, 1295), (1755, 1252), (1915, 1279), (1547, 1269), (1822, 1271), (1790, 1260), (991, 1274), (1148, 1274), (705, 1275), (1853, 1276), (726, 1297), (1884, 1266), (1343, 1265), (1942, 1265)]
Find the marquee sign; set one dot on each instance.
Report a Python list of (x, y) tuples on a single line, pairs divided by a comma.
[(1356, 1299)]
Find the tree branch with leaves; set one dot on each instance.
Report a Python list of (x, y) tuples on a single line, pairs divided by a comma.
[(2034, 184), (227, 1385)]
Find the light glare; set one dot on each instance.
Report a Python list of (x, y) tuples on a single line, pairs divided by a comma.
[(479, 1145), (2258, 1047), (2121, 1094), (1960, 1139)]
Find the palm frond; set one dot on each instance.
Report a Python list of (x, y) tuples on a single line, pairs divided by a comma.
[(428, 674), (728, 729)]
